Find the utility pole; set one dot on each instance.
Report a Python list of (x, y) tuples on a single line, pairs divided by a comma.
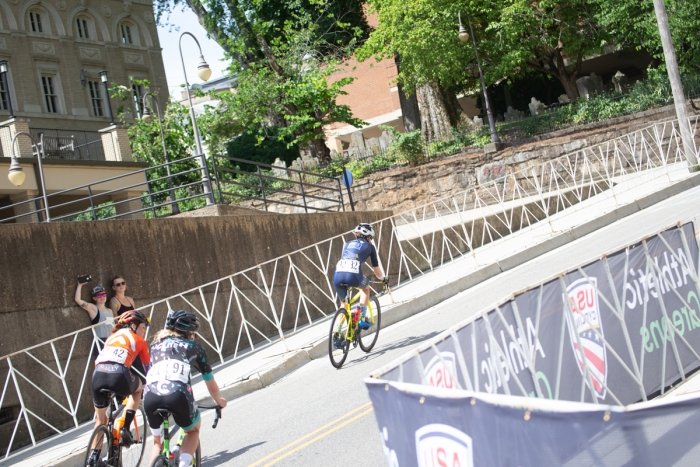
[(676, 87)]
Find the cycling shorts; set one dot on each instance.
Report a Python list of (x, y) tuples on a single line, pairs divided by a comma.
[(180, 403), (344, 280), (115, 377)]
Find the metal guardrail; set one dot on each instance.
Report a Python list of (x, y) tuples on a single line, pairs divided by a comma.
[(299, 188), (71, 144), (45, 385), (306, 191)]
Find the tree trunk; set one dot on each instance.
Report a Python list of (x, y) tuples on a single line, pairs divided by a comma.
[(568, 80), (409, 104), (434, 115), (319, 149), (454, 110), (570, 87)]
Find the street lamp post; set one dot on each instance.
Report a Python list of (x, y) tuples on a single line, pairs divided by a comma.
[(6, 87), (16, 175), (674, 77), (103, 77), (464, 37), (148, 119), (204, 72)]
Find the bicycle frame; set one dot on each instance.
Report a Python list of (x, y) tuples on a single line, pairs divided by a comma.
[(350, 333)]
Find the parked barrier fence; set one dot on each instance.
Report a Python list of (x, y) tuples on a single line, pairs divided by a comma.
[(614, 331), (44, 387)]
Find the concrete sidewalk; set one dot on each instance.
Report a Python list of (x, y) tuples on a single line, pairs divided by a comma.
[(270, 363)]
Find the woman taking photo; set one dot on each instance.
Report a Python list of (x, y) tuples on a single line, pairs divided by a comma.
[(120, 303), (97, 311)]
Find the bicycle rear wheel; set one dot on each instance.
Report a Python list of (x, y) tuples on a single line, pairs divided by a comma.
[(159, 461), (197, 459), (131, 456), (99, 444), (338, 346), (368, 337)]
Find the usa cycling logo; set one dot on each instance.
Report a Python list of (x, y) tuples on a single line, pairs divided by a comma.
[(583, 321), (440, 445), (440, 370)]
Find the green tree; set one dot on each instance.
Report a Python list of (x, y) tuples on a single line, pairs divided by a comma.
[(248, 147), (284, 53), (633, 24)]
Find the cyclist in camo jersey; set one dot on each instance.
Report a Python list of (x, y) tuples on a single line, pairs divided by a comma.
[(169, 386)]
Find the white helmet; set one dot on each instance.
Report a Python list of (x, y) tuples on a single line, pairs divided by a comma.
[(365, 230)]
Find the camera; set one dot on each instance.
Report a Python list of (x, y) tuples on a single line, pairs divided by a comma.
[(85, 278)]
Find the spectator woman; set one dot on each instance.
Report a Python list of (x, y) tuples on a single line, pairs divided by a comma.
[(98, 312), (120, 303)]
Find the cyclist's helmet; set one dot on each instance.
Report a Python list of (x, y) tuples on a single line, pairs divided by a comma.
[(182, 321), (133, 316), (365, 230)]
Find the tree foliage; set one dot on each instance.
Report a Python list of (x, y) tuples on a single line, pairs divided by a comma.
[(633, 24), (283, 53)]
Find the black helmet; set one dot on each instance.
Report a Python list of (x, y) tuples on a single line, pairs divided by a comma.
[(182, 321), (133, 316)]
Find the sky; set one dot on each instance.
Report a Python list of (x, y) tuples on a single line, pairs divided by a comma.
[(213, 53)]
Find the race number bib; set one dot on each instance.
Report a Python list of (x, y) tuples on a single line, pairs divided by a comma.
[(112, 354), (169, 370), (348, 265)]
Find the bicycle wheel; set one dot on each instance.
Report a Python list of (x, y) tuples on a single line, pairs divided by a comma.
[(197, 459), (338, 346), (131, 456), (159, 461), (368, 337), (100, 441)]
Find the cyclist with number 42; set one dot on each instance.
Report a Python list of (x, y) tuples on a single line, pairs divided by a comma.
[(113, 370), (169, 386), (348, 272)]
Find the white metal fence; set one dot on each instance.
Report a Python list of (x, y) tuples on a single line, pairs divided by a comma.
[(45, 388)]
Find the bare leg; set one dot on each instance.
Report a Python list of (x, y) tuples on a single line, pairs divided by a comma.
[(189, 444), (364, 296), (157, 448), (134, 399), (100, 419)]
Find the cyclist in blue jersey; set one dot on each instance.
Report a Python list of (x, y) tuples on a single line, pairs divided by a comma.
[(348, 271)]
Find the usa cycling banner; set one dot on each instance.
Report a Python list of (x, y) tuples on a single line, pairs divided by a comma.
[(615, 331), (618, 330), (441, 428)]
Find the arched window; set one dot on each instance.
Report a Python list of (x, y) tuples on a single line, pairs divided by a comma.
[(39, 21), (129, 33), (85, 27)]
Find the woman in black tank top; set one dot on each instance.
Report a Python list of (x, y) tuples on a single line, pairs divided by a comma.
[(120, 303)]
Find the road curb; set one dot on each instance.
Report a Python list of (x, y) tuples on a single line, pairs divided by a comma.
[(401, 311)]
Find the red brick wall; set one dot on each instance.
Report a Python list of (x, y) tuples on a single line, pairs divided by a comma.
[(370, 95)]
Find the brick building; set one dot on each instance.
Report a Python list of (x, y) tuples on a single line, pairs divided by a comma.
[(55, 50)]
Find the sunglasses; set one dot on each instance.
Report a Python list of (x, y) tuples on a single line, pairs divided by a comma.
[(100, 295), (119, 284)]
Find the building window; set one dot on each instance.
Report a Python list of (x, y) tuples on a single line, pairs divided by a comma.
[(35, 19), (96, 98), (126, 34), (138, 92), (48, 84), (83, 31), (3, 97)]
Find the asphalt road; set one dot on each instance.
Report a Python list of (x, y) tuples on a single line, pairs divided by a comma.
[(320, 416)]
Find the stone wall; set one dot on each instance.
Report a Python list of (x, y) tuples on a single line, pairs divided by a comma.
[(408, 187)]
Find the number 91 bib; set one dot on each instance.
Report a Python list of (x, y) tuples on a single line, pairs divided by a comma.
[(169, 370)]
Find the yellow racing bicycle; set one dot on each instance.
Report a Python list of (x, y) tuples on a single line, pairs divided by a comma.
[(345, 330)]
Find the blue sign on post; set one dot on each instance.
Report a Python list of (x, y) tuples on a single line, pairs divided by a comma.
[(347, 178)]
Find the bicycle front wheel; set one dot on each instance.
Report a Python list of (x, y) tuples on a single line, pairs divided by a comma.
[(338, 346), (159, 461), (98, 447), (368, 337), (131, 456)]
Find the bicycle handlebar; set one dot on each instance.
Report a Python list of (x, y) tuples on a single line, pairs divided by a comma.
[(218, 412)]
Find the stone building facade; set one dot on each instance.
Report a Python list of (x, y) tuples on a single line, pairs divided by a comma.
[(56, 48)]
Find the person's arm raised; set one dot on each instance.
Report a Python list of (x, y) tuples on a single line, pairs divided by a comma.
[(89, 307)]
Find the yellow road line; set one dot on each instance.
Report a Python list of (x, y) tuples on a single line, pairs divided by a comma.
[(321, 436), (333, 423)]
